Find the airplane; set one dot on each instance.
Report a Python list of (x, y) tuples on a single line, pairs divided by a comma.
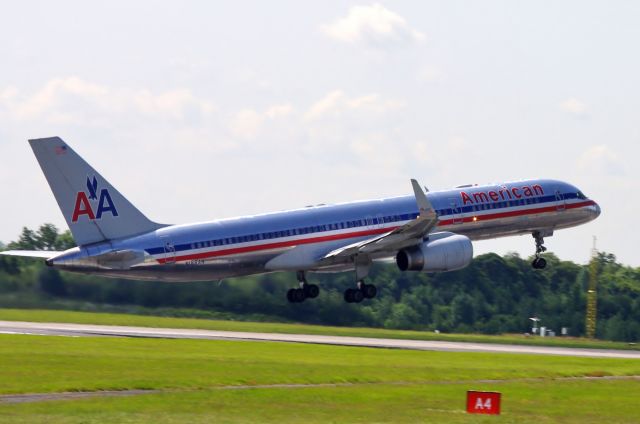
[(423, 232)]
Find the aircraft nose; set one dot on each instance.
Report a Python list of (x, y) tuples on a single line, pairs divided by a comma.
[(596, 210)]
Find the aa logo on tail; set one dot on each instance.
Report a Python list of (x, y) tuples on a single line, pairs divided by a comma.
[(95, 204)]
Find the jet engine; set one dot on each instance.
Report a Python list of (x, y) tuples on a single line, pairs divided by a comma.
[(441, 252)]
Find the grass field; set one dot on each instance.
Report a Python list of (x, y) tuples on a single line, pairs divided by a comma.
[(166, 322), (196, 380)]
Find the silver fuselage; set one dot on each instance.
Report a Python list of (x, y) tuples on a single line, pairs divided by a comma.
[(246, 245)]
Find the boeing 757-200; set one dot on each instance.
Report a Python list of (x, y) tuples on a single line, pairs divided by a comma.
[(424, 232)]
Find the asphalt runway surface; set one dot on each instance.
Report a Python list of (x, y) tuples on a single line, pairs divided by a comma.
[(88, 330)]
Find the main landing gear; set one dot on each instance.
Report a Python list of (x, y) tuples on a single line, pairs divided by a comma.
[(363, 291), (539, 262), (306, 290)]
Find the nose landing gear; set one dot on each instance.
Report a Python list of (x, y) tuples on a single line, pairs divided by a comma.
[(539, 262)]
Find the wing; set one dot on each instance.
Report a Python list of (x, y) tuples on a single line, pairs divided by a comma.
[(410, 234), (44, 254)]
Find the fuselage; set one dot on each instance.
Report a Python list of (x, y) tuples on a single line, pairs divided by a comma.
[(247, 245)]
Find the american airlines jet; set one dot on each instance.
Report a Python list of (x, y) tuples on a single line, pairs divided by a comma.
[(423, 232)]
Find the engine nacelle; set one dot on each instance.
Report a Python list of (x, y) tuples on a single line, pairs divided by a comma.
[(442, 252)]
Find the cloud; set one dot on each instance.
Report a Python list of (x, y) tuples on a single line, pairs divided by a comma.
[(73, 100), (279, 111), (574, 106), (248, 123), (372, 25), (430, 74), (337, 103), (600, 160)]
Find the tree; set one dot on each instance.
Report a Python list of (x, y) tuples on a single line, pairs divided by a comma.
[(28, 240), (463, 312), (51, 282), (46, 237)]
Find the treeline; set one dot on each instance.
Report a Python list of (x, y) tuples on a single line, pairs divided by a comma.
[(493, 295)]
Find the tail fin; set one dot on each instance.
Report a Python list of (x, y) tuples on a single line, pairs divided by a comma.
[(93, 209)]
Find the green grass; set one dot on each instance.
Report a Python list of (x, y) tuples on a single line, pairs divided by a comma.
[(54, 364), (383, 385), (567, 402), (39, 315)]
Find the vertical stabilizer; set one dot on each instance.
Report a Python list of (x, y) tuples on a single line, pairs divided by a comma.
[(94, 210)]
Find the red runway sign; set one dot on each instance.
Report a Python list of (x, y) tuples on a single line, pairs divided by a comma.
[(483, 402)]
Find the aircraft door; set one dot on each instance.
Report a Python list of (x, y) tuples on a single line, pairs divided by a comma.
[(560, 201), (456, 211), (169, 250)]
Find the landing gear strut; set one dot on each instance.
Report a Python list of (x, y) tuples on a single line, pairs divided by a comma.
[(539, 262), (306, 290), (357, 295), (363, 290)]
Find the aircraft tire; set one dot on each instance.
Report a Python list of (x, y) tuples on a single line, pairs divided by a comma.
[(299, 295), (311, 291), (539, 263), (358, 296), (369, 291), (290, 296), (348, 295)]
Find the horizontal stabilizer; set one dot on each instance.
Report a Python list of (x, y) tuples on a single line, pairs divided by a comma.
[(44, 254)]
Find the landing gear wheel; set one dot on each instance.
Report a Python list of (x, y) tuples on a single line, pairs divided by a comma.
[(296, 295), (364, 291), (539, 263), (369, 291), (291, 296), (311, 291), (358, 296), (353, 296), (306, 291), (348, 295)]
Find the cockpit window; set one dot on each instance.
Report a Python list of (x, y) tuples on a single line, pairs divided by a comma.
[(581, 195)]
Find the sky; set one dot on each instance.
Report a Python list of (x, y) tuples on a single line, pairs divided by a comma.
[(199, 110)]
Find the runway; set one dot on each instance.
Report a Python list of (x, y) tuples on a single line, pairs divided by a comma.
[(87, 330)]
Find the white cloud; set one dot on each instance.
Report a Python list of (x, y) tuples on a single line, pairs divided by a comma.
[(574, 106), (600, 160), (374, 25), (279, 111), (246, 124), (430, 73), (73, 100), (337, 103)]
